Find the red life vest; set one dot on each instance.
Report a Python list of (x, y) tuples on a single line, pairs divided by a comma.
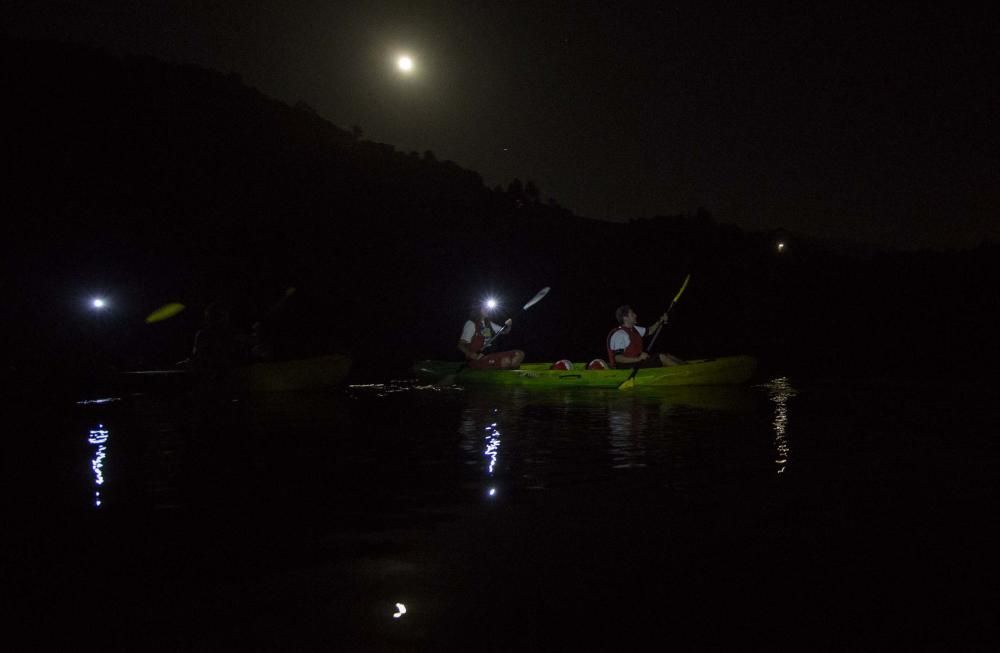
[(484, 331), (634, 348)]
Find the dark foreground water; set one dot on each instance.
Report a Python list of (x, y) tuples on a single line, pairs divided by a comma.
[(807, 515)]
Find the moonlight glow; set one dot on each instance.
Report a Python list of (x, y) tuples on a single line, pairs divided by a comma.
[(405, 63)]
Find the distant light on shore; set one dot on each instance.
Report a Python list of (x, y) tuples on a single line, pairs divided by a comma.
[(781, 247), (98, 303)]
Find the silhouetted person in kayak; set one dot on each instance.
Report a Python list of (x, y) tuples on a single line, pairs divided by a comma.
[(474, 342), (217, 345), (625, 346)]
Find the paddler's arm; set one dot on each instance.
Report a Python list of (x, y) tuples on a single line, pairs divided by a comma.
[(658, 324), (463, 347), (622, 358)]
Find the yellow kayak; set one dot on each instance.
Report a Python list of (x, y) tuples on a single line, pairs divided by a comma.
[(727, 370)]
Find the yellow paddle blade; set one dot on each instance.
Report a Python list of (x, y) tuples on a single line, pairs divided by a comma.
[(681, 291), (164, 312)]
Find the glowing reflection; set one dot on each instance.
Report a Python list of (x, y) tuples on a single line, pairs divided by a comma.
[(780, 390), (492, 445), (626, 430), (91, 402), (99, 438), (400, 611), (359, 390), (482, 439)]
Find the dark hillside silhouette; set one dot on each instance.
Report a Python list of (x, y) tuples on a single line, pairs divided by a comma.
[(159, 182)]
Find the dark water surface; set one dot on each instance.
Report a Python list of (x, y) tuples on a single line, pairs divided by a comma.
[(394, 517)]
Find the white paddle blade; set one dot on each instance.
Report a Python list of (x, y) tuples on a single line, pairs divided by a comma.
[(538, 297)]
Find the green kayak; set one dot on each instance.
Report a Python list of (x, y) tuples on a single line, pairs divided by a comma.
[(728, 370)]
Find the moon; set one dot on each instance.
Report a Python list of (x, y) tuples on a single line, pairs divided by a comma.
[(405, 63)]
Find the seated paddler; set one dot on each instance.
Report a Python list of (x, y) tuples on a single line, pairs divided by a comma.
[(479, 335), (625, 345)]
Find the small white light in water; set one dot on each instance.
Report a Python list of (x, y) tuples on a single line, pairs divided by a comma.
[(493, 491), (106, 400), (781, 247), (98, 303), (400, 611)]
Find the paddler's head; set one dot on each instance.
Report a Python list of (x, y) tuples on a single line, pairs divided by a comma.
[(625, 315), (484, 309), (217, 314)]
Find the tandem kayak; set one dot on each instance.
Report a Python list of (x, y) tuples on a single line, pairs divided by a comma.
[(727, 370)]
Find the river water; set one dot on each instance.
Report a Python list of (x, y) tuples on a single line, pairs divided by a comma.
[(834, 515)]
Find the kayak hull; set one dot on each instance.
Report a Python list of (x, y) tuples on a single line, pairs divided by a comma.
[(257, 378), (291, 375), (727, 370)]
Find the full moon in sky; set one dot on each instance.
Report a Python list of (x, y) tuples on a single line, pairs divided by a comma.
[(405, 63)]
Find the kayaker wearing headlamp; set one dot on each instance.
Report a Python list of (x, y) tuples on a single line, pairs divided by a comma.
[(477, 335)]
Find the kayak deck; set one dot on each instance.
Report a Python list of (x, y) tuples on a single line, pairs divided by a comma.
[(727, 370)]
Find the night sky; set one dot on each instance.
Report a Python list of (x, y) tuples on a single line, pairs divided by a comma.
[(843, 122)]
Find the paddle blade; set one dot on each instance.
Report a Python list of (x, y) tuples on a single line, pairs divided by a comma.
[(537, 298), (164, 312), (681, 291)]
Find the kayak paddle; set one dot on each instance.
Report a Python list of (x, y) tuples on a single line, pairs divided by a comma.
[(164, 312), (531, 302)]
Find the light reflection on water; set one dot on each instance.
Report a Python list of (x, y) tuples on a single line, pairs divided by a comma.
[(559, 436), (780, 390), (492, 446), (99, 438), (513, 442), (511, 438), (627, 425), (687, 483), (475, 423)]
